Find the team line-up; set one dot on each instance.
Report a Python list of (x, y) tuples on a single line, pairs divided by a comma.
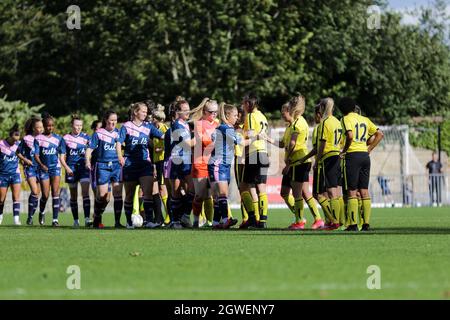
[(185, 165)]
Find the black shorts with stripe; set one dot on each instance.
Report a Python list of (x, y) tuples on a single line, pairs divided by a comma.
[(256, 168), (297, 173), (160, 172), (318, 180), (332, 171), (357, 170)]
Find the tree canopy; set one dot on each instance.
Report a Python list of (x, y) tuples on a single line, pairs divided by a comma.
[(134, 50)]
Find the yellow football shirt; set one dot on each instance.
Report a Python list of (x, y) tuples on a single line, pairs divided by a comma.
[(257, 122), (301, 128), (159, 143), (330, 131), (361, 127)]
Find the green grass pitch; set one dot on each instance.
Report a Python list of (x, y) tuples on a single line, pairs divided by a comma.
[(410, 246)]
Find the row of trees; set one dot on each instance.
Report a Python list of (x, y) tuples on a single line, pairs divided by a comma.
[(132, 50)]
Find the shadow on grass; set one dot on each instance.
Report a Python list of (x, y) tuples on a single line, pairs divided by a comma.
[(260, 232)]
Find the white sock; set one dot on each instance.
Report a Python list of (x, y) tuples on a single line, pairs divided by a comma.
[(55, 220), (16, 219)]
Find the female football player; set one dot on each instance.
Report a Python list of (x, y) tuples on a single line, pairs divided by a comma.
[(357, 130), (254, 181), (179, 167), (159, 188), (296, 173), (76, 144), (219, 167), (204, 118), (49, 148), (239, 161), (107, 168), (136, 163), (33, 127), (10, 172)]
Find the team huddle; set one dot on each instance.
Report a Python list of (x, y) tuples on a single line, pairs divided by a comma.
[(182, 163)]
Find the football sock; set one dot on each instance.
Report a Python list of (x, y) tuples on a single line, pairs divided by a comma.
[(158, 208), (208, 206), (42, 204), (335, 210), (128, 208), (298, 207), (290, 202), (136, 203), (74, 208), (55, 204), (32, 204), (166, 210), (148, 209), (87, 207), (313, 208), (263, 206), (367, 210), (16, 209), (244, 212), (325, 204), (118, 204), (352, 210)]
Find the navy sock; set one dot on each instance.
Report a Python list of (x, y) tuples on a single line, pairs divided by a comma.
[(55, 204), (223, 207), (118, 205), (16, 209), (42, 204), (33, 201), (74, 207), (157, 202), (148, 209), (128, 207), (2, 205), (99, 207), (175, 207), (87, 207), (187, 203), (216, 217)]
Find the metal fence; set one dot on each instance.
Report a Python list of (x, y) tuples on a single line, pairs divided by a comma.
[(410, 190)]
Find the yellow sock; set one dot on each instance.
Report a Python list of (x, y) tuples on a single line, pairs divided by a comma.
[(208, 206), (325, 203), (290, 202), (230, 214), (313, 208), (299, 214), (244, 212), (335, 209), (263, 206), (164, 201), (136, 207), (256, 208), (342, 217), (367, 210), (247, 200), (352, 210)]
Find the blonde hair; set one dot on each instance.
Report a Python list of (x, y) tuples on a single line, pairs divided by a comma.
[(197, 113), (297, 106), (326, 107), (135, 107), (285, 106), (224, 110), (159, 115)]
